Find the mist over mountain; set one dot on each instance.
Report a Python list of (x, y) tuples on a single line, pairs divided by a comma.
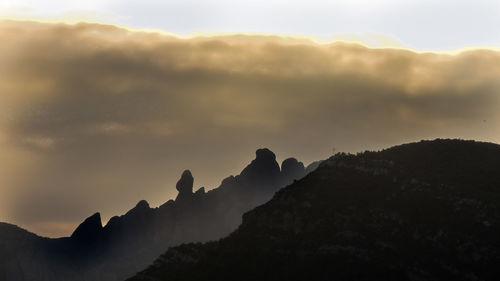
[(420, 211), (128, 243)]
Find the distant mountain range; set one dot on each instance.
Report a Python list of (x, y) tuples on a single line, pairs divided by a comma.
[(128, 243), (421, 211)]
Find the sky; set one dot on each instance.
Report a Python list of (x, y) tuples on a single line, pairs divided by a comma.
[(97, 116), (417, 24)]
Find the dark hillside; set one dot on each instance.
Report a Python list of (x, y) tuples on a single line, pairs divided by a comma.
[(419, 211)]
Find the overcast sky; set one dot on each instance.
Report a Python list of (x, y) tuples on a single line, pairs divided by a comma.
[(418, 24), (96, 117)]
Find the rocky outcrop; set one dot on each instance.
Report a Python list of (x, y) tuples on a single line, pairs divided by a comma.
[(200, 191), (140, 208), (263, 170), (291, 169), (89, 230), (185, 186)]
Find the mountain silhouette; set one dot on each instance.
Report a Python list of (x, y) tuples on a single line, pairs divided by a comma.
[(128, 243), (421, 211), (89, 230)]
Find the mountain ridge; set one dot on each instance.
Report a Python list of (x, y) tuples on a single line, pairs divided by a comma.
[(427, 210), (129, 242)]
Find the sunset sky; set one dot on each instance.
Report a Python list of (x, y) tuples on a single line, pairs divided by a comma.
[(99, 114)]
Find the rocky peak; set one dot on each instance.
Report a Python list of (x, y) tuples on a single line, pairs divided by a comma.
[(200, 191), (291, 169), (263, 169), (291, 165), (138, 214), (89, 229), (228, 181), (185, 186), (264, 154), (143, 204), (140, 208)]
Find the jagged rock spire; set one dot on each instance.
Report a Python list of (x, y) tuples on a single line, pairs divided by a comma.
[(185, 186)]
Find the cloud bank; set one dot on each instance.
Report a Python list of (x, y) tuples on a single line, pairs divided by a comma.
[(96, 117)]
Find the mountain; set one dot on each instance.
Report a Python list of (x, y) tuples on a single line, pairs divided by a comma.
[(128, 243), (420, 211)]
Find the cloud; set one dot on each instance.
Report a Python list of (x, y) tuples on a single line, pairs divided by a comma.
[(105, 116), (40, 142)]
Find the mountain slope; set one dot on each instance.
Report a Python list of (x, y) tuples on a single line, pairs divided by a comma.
[(130, 242), (419, 211)]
